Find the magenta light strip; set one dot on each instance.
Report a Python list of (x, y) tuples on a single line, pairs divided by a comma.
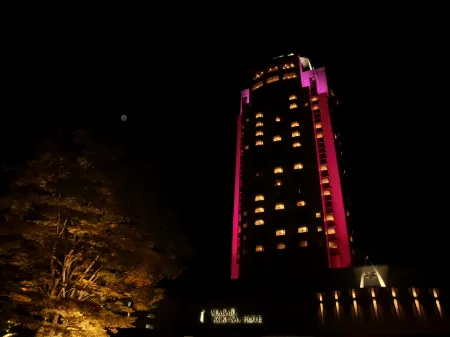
[(343, 257), (245, 95)]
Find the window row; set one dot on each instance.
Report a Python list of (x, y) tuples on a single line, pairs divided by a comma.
[(278, 119), (260, 248), (301, 229), (302, 243), (273, 79), (277, 138), (272, 69), (280, 206)]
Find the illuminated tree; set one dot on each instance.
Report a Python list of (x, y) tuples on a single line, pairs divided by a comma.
[(76, 259)]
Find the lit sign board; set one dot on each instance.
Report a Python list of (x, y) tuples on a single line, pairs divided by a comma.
[(230, 316)]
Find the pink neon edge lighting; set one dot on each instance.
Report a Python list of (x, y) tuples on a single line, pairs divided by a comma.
[(343, 259), (237, 192)]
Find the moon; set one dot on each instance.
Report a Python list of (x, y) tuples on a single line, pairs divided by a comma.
[(124, 118)]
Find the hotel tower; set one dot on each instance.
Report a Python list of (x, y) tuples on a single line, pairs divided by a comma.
[(290, 215)]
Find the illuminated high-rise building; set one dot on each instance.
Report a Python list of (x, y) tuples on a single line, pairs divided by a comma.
[(290, 215)]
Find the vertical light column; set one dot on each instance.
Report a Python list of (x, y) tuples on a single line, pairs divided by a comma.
[(245, 97), (338, 254)]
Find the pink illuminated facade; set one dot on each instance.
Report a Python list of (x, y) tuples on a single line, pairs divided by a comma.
[(289, 211)]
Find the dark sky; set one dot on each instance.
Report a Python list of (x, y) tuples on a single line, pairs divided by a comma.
[(181, 95)]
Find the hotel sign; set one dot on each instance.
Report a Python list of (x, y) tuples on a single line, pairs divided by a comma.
[(230, 316)]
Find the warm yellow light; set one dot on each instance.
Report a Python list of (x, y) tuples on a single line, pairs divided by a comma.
[(277, 119), (291, 97), (314, 99), (259, 248), (303, 243), (330, 217), (325, 180), (277, 138), (315, 107), (319, 228), (278, 182), (280, 232), (296, 134), (331, 230), (259, 133), (259, 222), (259, 115), (302, 229), (259, 142), (296, 144), (278, 169), (318, 125), (259, 210), (327, 191), (279, 206), (259, 124), (294, 124), (319, 135), (323, 167), (293, 106), (259, 197), (298, 166), (301, 203), (281, 246), (353, 293), (318, 215)]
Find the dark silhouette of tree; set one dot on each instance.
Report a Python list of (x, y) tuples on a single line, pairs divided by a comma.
[(83, 245)]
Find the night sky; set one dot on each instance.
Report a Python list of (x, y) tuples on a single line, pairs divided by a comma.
[(181, 96)]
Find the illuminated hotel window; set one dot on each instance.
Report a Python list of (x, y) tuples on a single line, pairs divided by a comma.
[(303, 243), (296, 144), (350, 238), (293, 106), (348, 213), (244, 225), (258, 124), (278, 169), (314, 99), (318, 215), (332, 244), (315, 107), (331, 230), (291, 97), (259, 210), (259, 197), (288, 66), (279, 206), (296, 134), (319, 135), (277, 138), (259, 248), (272, 79), (318, 125), (272, 69), (294, 124), (301, 203), (280, 232), (259, 222), (302, 229), (319, 228), (325, 180), (246, 147), (289, 76), (323, 167), (278, 182), (306, 104), (327, 191), (259, 115), (330, 217), (259, 142), (277, 119), (298, 166), (259, 133), (281, 246), (257, 85)]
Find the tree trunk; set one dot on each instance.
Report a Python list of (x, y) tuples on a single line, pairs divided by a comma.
[(52, 331)]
